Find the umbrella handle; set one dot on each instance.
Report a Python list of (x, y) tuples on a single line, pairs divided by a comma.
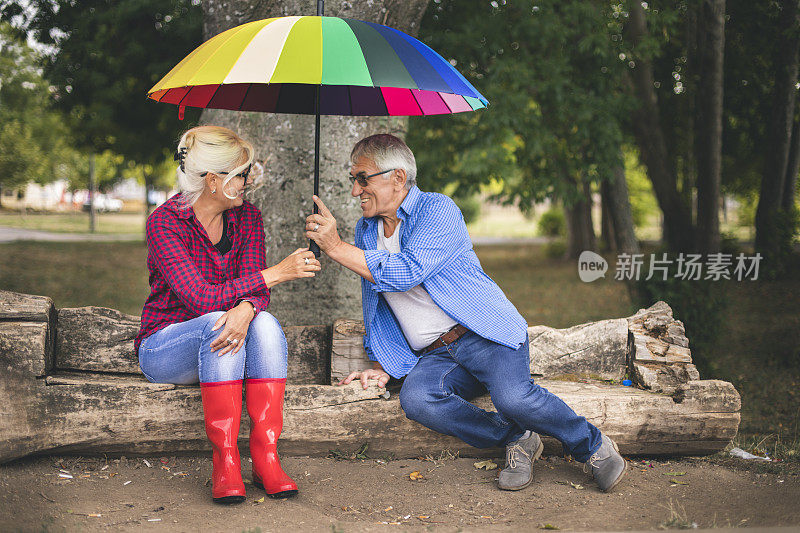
[(314, 247)]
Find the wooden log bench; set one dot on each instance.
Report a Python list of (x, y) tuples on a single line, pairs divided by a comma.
[(71, 384)]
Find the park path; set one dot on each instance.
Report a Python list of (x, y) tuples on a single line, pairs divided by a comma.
[(8, 234)]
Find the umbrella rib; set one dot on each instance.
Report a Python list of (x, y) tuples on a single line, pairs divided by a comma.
[(244, 98), (414, 96)]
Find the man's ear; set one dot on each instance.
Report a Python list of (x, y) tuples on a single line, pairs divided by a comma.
[(400, 177)]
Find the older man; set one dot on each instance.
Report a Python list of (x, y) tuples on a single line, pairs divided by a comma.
[(434, 317)]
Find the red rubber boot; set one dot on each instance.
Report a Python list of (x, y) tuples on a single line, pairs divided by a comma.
[(265, 407), (222, 408)]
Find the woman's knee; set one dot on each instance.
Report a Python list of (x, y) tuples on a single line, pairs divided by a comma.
[(265, 323), (209, 319)]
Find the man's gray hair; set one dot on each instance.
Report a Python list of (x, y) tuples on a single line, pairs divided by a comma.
[(387, 151)]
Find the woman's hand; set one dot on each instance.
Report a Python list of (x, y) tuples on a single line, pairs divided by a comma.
[(321, 228), (236, 322), (300, 264)]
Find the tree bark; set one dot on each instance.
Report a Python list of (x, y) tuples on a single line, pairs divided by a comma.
[(580, 229), (768, 233), (92, 195), (49, 409), (650, 138), (708, 138), (286, 143), (792, 169), (619, 209), (609, 240)]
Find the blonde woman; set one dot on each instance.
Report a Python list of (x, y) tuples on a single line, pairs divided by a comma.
[(205, 319)]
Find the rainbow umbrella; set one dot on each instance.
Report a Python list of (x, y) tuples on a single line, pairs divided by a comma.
[(317, 65)]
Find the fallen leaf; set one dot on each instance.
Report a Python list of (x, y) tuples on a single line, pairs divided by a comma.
[(388, 509), (547, 526), (678, 482), (488, 464), (260, 500), (423, 517), (674, 473), (416, 476), (576, 485)]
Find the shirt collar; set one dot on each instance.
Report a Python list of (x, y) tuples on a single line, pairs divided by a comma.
[(410, 200), (185, 211)]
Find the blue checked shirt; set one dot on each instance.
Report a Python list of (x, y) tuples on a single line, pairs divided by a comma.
[(435, 251)]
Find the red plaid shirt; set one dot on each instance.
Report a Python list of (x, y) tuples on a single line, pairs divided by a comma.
[(189, 277)]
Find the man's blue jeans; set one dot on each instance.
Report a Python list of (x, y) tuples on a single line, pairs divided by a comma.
[(437, 391), (181, 353)]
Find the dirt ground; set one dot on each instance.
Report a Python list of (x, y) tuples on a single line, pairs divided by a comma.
[(173, 494)]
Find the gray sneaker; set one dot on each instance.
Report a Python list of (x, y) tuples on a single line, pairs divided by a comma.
[(608, 466), (520, 456)]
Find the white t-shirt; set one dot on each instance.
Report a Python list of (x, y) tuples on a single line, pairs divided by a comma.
[(421, 320)]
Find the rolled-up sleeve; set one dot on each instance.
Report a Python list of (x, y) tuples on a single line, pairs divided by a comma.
[(173, 260), (439, 235)]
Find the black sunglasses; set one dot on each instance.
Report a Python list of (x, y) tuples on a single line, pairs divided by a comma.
[(362, 178), (244, 173)]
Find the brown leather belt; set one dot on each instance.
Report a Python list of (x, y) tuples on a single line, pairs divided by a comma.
[(446, 338)]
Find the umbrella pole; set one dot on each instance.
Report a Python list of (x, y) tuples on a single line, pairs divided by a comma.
[(311, 244), (314, 247)]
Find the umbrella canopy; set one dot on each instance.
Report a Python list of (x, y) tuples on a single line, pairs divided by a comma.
[(276, 65)]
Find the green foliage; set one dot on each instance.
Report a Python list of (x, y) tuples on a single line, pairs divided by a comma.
[(106, 56), (31, 133), (552, 223), (640, 189), (552, 77), (470, 207)]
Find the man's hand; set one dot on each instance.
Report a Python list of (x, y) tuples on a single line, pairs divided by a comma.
[(321, 228), (236, 322), (365, 375)]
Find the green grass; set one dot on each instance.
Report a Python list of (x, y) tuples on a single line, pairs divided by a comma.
[(106, 223), (757, 348), (78, 274)]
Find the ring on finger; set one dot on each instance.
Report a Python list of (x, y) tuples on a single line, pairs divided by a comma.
[(306, 260), (316, 227)]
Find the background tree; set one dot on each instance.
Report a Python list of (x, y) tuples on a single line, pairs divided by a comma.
[(553, 127), (106, 55), (31, 133), (286, 142)]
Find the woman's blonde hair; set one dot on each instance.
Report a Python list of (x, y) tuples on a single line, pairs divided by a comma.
[(209, 149)]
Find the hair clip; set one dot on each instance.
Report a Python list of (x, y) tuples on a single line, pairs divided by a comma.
[(180, 155)]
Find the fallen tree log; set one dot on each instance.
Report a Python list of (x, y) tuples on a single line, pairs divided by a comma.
[(79, 413), (53, 399)]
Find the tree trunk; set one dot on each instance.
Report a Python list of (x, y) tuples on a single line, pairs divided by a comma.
[(286, 144), (708, 138), (54, 402), (792, 169), (615, 196), (92, 194), (580, 229), (147, 181), (609, 240), (768, 232), (651, 141)]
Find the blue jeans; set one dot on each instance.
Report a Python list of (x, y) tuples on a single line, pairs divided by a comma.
[(437, 391), (181, 353)]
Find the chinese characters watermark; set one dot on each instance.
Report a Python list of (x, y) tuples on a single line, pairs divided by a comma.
[(714, 267)]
